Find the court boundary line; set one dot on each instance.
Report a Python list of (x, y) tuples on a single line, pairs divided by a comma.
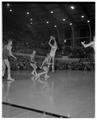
[(35, 110)]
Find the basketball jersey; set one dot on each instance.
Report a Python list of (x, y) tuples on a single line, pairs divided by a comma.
[(53, 50), (5, 53)]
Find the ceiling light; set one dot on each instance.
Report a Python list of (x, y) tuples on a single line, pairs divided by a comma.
[(88, 21), (30, 18), (70, 23), (72, 7), (55, 26), (82, 16), (63, 19), (27, 13), (65, 41), (47, 22), (10, 10), (52, 12), (31, 23), (8, 5)]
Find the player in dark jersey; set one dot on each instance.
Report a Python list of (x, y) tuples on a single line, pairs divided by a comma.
[(45, 65), (33, 62), (6, 54), (45, 68), (46, 61)]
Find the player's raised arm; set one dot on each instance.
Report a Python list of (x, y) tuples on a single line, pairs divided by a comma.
[(50, 41), (87, 45)]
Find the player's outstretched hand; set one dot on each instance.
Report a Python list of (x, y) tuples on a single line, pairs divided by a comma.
[(83, 43)]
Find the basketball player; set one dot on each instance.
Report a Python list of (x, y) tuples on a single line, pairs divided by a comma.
[(45, 68), (37, 76), (46, 61), (33, 63), (45, 65), (91, 44), (52, 51), (6, 54)]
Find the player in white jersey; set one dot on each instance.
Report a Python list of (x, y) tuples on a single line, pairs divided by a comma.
[(53, 51)]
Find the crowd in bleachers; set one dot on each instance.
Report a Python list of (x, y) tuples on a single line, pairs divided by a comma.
[(23, 63)]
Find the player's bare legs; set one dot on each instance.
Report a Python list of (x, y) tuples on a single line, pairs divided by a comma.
[(53, 58), (9, 69), (3, 69)]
